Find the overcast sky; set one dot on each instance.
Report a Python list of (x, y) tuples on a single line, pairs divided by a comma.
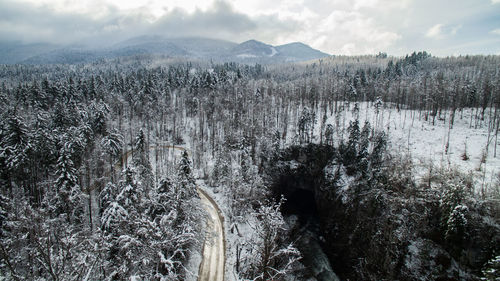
[(348, 27)]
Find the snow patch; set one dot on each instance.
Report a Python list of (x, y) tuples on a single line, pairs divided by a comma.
[(245, 56), (412, 261), (273, 52)]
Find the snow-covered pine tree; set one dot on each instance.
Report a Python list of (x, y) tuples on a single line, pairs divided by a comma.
[(15, 148), (363, 146), (142, 166), (185, 190), (121, 221), (453, 210), (98, 117), (456, 229), (112, 144), (68, 192), (305, 125), (350, 150), (107, 195), (221, 171), (378, 153)]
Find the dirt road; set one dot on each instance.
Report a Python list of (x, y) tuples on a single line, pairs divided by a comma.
[(212, 264)]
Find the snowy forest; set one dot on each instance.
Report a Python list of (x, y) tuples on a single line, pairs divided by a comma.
[(319, 168)]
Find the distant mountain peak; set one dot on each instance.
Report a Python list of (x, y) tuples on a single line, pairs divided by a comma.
[(253, 41), (253, 49), (295, 44), (297, 51)]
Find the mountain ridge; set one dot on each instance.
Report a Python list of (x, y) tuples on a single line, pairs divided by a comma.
[(250, 51)]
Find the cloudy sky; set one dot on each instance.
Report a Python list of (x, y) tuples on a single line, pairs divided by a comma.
[(348, 27)]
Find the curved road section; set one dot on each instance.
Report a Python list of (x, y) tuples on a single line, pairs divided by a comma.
[(212, 264)]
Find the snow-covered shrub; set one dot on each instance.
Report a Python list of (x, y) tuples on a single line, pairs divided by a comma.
[(454, 193), (456, 226), (268, 256), (491, 269)]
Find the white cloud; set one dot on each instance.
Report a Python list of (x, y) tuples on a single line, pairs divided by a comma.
[(495, 31), (353, 33), (358, 4), (441, 31), (435, 31), (333, 26)]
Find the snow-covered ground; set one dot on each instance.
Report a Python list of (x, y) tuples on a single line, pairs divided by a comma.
[(193, 265), (409, 133)]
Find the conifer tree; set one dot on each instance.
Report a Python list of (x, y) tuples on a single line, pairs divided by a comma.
[(68, 191), (350, 152), (364, 143)]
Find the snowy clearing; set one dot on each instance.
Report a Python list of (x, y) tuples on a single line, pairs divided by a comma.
[(426, 144)]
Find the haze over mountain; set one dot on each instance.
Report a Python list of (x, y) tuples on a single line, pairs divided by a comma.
[(251, 51)]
